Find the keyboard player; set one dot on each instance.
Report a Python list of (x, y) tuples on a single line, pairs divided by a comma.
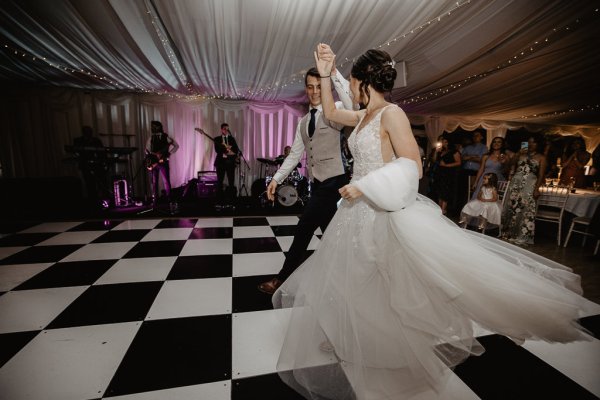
[(92, 162)]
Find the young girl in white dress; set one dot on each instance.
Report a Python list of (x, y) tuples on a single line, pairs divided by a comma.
[(486, 208), (391, 298)]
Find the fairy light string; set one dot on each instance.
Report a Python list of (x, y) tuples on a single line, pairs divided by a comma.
[(548, 39), (298, 77)]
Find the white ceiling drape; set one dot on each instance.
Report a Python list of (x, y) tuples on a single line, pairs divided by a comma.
[(258, 50)]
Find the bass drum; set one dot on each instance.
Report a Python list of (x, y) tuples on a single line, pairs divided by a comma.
[(287, 195)]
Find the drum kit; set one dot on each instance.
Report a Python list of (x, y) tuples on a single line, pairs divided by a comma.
[(295, 188)]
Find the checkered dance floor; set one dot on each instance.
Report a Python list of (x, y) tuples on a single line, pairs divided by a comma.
[(168, 309)]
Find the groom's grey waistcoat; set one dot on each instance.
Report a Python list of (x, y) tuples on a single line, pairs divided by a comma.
[(323, 150)]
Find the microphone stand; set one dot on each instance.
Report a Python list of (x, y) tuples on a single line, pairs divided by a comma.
[(242, 176)]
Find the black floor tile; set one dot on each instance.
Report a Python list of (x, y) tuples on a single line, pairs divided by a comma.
[(211, 233), (77, 273), (175, 352), (104, 225), (200, 267), (250, 221), (41, 254), (7, 226), (131, 235), (507, 371), (161, 248), (246, 296), (255, 245), (11, 343), (592, 324), (264, 387), (177, 223), (284, 230), (104, 304), (25, 239)]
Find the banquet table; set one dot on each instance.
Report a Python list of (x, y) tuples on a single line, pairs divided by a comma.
[(582, 203)]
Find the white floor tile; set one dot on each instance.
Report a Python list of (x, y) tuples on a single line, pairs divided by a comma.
[(137, 224), (252, 232), (51, 227), (168, 234), (257, 338), (100, 251), (207, 246), (192, 297), (30, 310), (286, 241), (9, 251), (285, 220), (67, 364), (210, 391), (138, 270), (257, 263), (82, 237), (580, 361), (13, 275), (214, 223)]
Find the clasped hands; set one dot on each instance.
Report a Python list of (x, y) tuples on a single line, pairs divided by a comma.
[(324, 60)]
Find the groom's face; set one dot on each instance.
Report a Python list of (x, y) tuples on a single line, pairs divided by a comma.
[(313, 90)]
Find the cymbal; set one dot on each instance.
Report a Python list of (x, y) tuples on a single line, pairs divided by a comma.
[(266, 161)]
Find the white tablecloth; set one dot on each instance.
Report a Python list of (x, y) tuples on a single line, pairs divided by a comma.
[(583, 202)]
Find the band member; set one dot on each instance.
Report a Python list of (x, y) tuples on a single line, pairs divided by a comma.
[(159, 147), (92, 162), (286, 152), (227, 158)]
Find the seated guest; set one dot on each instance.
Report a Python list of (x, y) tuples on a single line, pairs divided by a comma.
[(573, 168), (486, 208)]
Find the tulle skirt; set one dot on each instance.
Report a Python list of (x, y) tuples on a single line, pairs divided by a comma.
[(388, 303)]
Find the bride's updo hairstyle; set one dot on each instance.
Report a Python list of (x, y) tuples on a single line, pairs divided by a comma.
[(374, 68)]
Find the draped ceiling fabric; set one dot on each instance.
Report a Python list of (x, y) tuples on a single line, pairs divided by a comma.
[(116, 65)]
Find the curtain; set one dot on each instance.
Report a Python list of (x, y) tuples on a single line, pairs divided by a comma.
[(40, 122)]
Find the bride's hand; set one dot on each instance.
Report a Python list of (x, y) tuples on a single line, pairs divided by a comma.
[(324, 59), (350, 192)]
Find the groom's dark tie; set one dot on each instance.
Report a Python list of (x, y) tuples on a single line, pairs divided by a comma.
[(311, 124)]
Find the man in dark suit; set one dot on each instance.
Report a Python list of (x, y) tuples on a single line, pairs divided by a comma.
[(225, 162)]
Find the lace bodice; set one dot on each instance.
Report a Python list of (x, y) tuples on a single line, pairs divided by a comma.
[(365, 146)]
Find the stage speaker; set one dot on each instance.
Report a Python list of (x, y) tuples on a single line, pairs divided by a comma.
[(206, 189)]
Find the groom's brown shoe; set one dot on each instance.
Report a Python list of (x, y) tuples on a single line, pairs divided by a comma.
[(269, 287)]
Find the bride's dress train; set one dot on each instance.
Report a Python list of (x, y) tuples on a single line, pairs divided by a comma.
[(396, 289)]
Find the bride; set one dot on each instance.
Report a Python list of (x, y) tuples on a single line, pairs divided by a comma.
[(388, 303)]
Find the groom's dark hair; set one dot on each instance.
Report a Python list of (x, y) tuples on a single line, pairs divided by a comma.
[(311, 72)]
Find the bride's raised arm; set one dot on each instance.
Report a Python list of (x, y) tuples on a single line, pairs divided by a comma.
[(324, 60)]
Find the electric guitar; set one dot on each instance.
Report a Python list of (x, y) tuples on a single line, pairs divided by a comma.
[(152, 159), (231, 156)]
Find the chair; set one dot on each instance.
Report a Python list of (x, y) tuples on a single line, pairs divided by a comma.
[(584, 221), (550, 206), (502, 186), (587, 223)]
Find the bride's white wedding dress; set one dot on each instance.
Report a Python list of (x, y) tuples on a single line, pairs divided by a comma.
[(396, 288)]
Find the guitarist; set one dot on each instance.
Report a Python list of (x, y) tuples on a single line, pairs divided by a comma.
[(159, 147), (227, 157)]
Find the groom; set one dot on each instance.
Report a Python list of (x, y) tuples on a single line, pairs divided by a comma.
[(321, 139)]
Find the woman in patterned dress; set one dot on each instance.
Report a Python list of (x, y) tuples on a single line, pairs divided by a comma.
[(518, 217)]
